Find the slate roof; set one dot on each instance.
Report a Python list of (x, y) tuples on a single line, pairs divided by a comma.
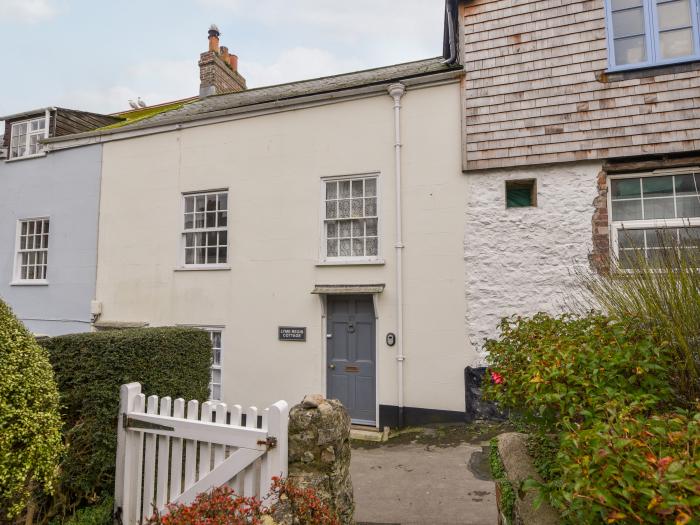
[(213, 105)]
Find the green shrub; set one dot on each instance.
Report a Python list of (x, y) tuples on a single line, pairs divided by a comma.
[(572, 369), (99, 514), (630, 469), (90, 368), (30, 440)]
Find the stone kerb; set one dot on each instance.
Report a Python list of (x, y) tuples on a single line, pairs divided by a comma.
[(319, 453)]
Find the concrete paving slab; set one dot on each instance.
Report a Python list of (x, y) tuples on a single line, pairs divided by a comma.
[(422, 484)]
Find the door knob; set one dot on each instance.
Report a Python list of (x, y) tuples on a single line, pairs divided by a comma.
[(331, 366)]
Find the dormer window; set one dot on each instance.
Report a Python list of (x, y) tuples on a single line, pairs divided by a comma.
[(25, 136), (644, 33)]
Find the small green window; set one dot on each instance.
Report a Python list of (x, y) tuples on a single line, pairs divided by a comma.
[(521, 193)]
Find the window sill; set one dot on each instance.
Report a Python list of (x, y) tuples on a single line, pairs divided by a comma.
[(26, 157), (351, 262), (38, 282), (217, 268), (617, 74)]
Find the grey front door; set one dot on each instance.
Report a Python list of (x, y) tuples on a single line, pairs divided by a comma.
[(351, 355)]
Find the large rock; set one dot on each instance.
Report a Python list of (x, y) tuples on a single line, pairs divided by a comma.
[(319, 454)]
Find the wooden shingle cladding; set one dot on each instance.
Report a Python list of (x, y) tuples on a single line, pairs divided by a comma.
[(536, 89), (63, 122)]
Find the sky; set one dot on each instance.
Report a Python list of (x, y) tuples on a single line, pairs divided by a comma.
[(95, 55)]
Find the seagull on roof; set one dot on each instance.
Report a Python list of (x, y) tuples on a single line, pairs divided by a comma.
[(141, 103), (133, 104)]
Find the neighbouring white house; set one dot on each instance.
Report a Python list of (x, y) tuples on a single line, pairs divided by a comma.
[(315, 229)]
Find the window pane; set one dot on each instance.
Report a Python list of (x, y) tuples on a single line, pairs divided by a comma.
[(332, 248), (659, 208), (331, 230), (370, 207), (630, 238), (344, 228), (211, 202), (223, 201), (687, 185), (223, 238), (344, 250), (189, 240), (357, 188), (689, 236), (630, 50), (677, 43), (216, 391), (357, 207), (223, 254), (189, 220), (211, 220), (189, 256), (358, 229), (358, 248), (626, 210), (217, 357), (199, 220), (199, 203), (657, 186), (370, 187), (628, 23), (344, 189), (371, 226), (223, 219), (331, 210), (674, 14), (211, 255), (331, 190), (625, 4), (371, 246), (688, 207), (344, 208)]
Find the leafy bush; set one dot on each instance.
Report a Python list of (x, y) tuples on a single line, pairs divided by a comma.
[(89, 370), (664, 292), (99, 514), (572, 369), (222, 506), (30, 440), (630, 469)]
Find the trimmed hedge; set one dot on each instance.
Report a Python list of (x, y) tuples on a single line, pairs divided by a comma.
[(90, 368), (30, 438)]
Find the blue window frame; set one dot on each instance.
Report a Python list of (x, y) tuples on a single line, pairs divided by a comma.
[(644, 33)]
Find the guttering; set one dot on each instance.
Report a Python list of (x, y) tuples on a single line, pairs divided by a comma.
[(28, 113), (396, 91)]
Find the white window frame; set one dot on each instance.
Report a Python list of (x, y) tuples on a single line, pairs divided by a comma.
[(642, 224), (651, 37), (323, 248), (182, 254), (41, 133), (209, 329), (17, 266)]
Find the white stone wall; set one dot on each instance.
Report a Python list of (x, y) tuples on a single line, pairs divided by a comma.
[(520, 260)]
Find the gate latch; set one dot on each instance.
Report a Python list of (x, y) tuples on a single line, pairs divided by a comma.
[(270, 442)]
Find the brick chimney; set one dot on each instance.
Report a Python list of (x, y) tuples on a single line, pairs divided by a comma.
[(218, 71)]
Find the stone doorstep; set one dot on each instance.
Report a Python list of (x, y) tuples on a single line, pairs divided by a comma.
[(362, 433)]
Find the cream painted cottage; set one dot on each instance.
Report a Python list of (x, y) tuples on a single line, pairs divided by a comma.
[(315, 229)]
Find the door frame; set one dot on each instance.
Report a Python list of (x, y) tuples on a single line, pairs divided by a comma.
[(324, 345)]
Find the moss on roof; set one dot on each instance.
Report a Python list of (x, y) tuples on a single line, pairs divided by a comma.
[(137, 115)]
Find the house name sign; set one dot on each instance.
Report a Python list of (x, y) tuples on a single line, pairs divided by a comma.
[(292, 333)]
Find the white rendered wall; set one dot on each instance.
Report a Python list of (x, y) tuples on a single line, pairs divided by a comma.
[(272, 166), (520, 260)]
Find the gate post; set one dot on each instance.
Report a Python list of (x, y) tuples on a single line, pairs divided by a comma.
[(124, 479)]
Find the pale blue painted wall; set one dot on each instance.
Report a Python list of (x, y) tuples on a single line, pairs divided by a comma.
[(64, 186)]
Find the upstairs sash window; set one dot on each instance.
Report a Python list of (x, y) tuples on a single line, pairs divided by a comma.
[(643, 33), (25, 136)]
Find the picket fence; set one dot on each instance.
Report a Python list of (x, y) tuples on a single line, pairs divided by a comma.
[(168, 455)]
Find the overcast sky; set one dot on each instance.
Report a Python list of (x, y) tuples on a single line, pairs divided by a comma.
[(98, 54)]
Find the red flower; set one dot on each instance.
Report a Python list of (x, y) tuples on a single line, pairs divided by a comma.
[(497, 378)]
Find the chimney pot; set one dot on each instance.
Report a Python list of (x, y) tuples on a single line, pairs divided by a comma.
[(214, 38), (233, 60), (224, 54)]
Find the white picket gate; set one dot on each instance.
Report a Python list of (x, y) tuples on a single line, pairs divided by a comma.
[(168, 455)]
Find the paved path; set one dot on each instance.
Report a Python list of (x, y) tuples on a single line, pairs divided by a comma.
[(414, 483)]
